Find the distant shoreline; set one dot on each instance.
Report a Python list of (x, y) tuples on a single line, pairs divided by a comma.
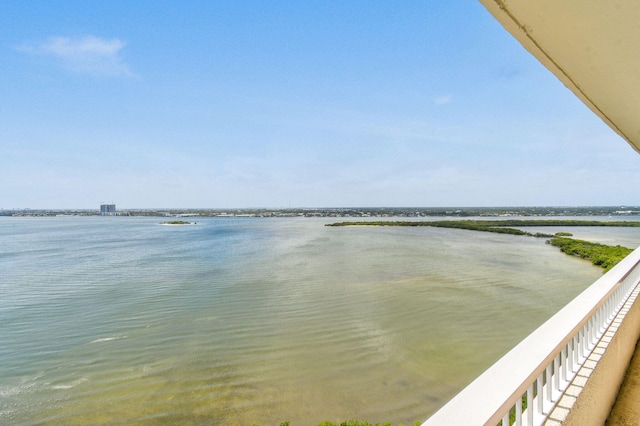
[(350, 212)]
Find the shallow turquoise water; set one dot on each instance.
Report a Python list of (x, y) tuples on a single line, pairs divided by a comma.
[(247, 320)]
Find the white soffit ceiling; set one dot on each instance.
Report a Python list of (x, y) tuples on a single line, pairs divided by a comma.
[(592, 46)]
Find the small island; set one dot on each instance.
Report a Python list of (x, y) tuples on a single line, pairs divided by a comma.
[(177, 222)]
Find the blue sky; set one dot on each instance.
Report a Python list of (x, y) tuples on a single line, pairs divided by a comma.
[(224, 104)]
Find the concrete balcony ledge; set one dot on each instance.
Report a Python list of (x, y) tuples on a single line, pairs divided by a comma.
[(569, 370), (589, 398)]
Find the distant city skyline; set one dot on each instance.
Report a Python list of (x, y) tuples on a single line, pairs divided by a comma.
[(505, 211), (235, 105)]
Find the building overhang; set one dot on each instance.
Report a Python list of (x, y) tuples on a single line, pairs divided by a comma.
[(592, 46)]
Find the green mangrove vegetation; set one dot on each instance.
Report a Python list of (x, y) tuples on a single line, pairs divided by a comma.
[(176, 222), (487, 224), (599, 254)]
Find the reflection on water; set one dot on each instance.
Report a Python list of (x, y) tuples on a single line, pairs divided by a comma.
[(241, 321)]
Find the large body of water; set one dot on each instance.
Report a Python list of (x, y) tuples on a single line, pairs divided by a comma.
[(241, 321)]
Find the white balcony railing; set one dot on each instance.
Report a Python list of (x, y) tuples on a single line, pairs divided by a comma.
[(525, 386)]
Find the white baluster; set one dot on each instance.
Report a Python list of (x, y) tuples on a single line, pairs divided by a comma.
[(540, 399), (519, 412), (530, 405)]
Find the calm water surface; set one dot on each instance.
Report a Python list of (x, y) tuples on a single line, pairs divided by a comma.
[(242, 321)]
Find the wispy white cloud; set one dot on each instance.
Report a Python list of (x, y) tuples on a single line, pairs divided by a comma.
[(85, 54), (508, 72), (441, 100)]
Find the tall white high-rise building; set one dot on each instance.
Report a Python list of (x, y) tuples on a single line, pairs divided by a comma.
[(108, 209)]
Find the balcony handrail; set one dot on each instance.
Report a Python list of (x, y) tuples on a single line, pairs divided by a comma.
[(542, 365)]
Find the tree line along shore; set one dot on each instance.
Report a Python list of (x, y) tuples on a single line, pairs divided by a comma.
[(602, 255)]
